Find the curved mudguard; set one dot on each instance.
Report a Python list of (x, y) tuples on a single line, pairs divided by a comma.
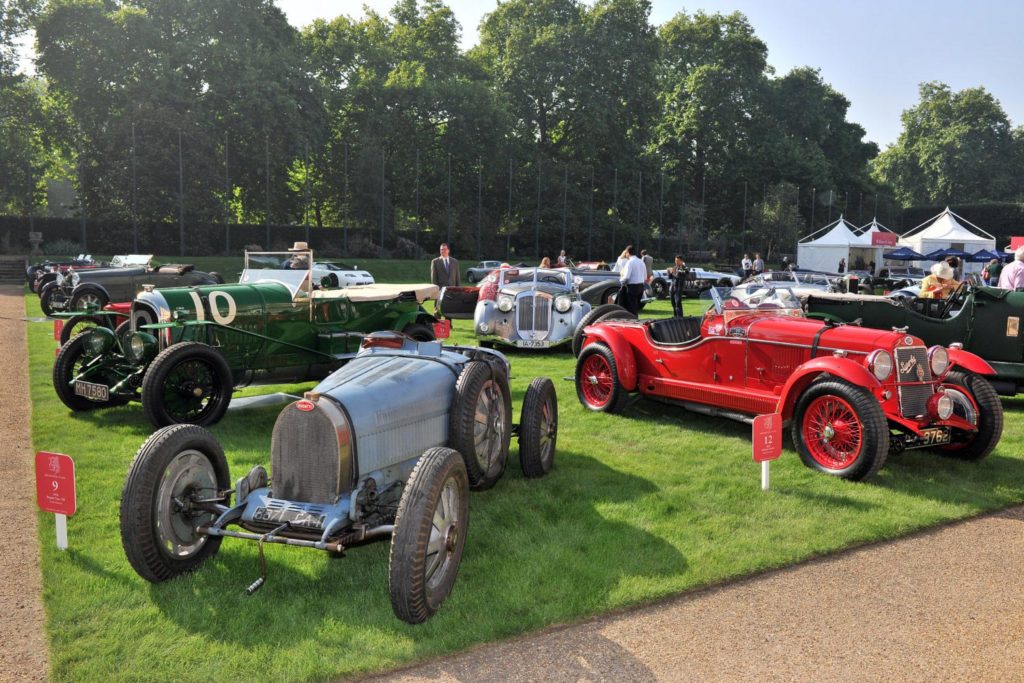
[(625, 361), (969, 361), (841, 368)]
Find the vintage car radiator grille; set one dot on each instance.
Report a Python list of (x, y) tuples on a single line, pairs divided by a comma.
[(310, 454), (912, 366), (534, 314)]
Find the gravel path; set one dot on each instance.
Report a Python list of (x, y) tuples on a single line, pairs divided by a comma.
[(23, 649), (945, 604)]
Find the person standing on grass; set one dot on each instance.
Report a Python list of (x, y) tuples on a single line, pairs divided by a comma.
[(1012, 276), (648, 265), (747, 266), (444, 270), (632, 280), (994, 268), (677, 275), (758, 265)]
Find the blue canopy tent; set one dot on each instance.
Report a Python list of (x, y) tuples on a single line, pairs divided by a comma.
[(984, 256), (904, 254), (942, 254)]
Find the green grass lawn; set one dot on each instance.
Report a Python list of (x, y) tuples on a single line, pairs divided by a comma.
[(638, 507)]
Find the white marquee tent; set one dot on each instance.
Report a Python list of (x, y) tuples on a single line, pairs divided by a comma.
[(948, 230), (823, 248), (866, 249)]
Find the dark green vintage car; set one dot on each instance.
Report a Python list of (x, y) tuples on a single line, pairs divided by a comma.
[(188, 348), (985, 320)]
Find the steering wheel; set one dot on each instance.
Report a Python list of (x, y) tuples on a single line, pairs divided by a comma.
[(732, 302), (957, 293)]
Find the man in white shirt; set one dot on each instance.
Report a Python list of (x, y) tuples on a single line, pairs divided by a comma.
[(632, 277), (747, 265), (1012, 276)]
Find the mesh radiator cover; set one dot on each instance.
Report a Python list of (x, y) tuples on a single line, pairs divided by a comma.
[(311, 453)]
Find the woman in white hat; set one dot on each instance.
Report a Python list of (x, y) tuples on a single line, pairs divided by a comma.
[(940, 284)]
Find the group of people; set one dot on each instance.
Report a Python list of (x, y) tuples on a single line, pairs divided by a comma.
[(941, 281), (751, 267)]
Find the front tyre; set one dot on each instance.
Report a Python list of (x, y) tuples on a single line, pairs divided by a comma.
[(659, 288), (175, 469), (430, 534), (88, 298), (597, 380), (840, 429), (538, 428), (989, 417), (188, 382), (69, 363), (80, 323), (46, 295), (480, 424)]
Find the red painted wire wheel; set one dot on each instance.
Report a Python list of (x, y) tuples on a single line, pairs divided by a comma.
[(597, 380), (840, 429), (833, 433)]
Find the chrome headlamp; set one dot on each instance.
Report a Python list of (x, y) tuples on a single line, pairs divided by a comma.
[(140, 347), (75, 278), (880, 364), (940, 405), (505, 303), (938, 360), (59, 279), (562, 303), (100, 340)]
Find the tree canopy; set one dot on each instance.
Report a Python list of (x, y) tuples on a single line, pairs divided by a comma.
[(567, 120), (955, 146)]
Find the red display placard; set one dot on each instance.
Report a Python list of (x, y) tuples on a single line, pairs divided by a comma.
[(55, 483), (1015, 242), (767, 437), (58, 327), (443, 329), (884, 239)]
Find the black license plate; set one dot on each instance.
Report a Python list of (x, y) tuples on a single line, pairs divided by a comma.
[(296, 516), (934, 437), (91, 391)]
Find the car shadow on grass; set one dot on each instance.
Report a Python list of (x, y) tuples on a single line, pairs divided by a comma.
[(538, 552)]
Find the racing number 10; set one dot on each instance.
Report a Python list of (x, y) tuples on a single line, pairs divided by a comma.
[(214, 309)]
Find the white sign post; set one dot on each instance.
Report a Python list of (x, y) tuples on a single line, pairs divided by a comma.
[(767, 443)]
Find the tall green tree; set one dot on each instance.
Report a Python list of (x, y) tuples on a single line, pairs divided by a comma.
[(23, 158), (225, 77), (955, 146)]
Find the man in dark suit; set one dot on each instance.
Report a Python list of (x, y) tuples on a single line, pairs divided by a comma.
[(444, 270)]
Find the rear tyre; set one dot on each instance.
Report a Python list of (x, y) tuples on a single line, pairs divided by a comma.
[(46, 295), (70, 360), (419, 331), (188, 382), (840, 429), (175, 467), (470, 277), (538, 428), (597, 380), (480, 424), (975, 446), (602, 312), (430, 535)]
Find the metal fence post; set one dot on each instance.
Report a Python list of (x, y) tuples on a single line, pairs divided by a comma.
[(449, 240), (181, 198), (536, 227), (590, 215), (479, 203), (135, 198), (227, 199), (382, 201), (565, 204), (266, 144)]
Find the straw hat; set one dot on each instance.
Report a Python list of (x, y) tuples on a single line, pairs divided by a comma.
[(942, 270), (299, 246)]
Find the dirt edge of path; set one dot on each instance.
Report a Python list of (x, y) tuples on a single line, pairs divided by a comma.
[(24, 654)]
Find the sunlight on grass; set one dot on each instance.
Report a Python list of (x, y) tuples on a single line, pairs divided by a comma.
[(639, 506)]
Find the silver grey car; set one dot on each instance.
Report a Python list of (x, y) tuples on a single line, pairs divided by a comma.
[(530, 308)]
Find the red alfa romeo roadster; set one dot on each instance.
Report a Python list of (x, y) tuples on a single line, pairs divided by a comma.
[(851, 395)]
